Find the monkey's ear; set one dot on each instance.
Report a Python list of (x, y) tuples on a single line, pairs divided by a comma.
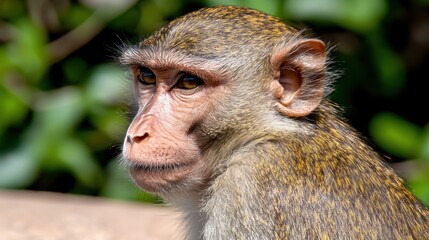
[(299, 74)]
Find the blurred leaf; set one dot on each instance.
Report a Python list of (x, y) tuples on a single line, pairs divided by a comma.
[(110, 122), (59, 111), (107, 85), (27, 52), (5, 65), (75, 69), (425, 146), (12, 109), (168, 7), (313, 9), (270, 8), (75, 15), (109, 7), (358, 15), (17, 169), (53, 121), (122, 22), (396, 135), (77, 158), (153, 13), (10, 9), (390, 67), (419, 185), (150, 19)]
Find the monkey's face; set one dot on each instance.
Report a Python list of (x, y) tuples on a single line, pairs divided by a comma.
[(161, 147), (201, 92)]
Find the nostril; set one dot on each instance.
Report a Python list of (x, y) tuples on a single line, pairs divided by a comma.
[(137, 138)]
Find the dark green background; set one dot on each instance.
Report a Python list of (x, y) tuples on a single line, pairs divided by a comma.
[(63, 98)]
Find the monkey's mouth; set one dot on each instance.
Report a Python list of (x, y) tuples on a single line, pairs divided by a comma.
[(157, 178), (157, 168)]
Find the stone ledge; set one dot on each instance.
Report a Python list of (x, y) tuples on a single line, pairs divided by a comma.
[(31, 215)]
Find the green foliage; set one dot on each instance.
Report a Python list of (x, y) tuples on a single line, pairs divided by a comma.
[(402, 138), (272, 8), (62, 96), (396, 135), (357, 15)]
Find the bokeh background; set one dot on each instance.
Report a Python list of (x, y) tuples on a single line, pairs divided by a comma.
[(63, 96)]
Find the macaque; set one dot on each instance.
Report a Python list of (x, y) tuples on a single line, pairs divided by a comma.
[(233, 126)]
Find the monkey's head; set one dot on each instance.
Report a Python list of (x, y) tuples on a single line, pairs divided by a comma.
[(209, 83)]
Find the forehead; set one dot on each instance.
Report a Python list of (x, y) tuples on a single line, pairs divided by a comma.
[(219, 31)]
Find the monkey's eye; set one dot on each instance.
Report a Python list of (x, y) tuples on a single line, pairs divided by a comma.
[(188, 81), (146, 76)]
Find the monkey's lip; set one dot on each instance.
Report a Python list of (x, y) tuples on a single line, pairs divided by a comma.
[(158, 178), (158, 168)]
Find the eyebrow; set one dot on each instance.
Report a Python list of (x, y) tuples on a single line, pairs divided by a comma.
[(209, 68)]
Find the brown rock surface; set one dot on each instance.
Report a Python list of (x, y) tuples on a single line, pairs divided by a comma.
[(26, 215)]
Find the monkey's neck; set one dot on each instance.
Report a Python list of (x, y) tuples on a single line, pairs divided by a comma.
[(190, 204)]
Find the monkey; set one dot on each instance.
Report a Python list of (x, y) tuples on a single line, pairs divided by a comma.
[(234, 127)]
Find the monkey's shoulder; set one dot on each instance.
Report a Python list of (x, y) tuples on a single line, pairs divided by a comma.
[(311, 202)]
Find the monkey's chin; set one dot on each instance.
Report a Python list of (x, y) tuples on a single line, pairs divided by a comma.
[(162, 179)]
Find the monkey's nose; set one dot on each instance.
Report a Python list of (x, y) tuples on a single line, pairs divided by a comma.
[(137, 138)]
